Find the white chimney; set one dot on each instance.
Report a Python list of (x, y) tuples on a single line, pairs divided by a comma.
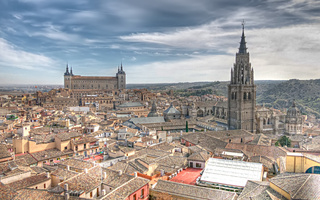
[(48, 175), (105, 175), (86, 170), (68, 167), (120, 172), (103, 192), (66, 187), (66, 196), (135, 174)]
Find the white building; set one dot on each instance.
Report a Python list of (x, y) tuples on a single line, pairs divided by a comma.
[(230, 174)]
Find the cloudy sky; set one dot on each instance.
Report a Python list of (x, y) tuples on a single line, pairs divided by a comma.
[(157, 41)]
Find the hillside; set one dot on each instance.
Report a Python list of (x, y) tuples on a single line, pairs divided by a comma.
[(277, 94), (305, 92)]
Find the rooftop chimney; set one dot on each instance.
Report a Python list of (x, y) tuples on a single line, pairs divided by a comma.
[(48, 175), (135, 174), (120, 172), (66, 196), (105, 175), (86, 170), (66, 187)]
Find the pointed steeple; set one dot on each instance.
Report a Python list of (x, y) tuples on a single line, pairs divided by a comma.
[(121, 67), (243, 47), (67, 70), (294, 103), (153, 112), (154, 106), (71, 72)]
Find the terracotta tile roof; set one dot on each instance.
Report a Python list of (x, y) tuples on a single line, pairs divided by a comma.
[(66, 174), (38, 170), (11, 168), (4, 153), (163, 147), (29, 181), (259, 190), (114, 179), (171, 163), (205, 141), (261, 139), (50, 153), (27, 157), (68, 135), (84, 181), (30, 194), (46, 138), (123, 191), (192, 192), (199, 156), (76, 163), (84, 140), (6, 192), (299, 186), (148, 152), (129, 168)]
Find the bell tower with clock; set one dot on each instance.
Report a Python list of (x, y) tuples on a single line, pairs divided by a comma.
[(242, 91)]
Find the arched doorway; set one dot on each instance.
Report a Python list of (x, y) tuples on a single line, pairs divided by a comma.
[(313, 170), (200, 113)]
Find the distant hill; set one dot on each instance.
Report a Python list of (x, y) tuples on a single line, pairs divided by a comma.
[(305, 92), (278, 94)]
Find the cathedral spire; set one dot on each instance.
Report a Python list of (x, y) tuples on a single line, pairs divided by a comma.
[(71, 72), (121, 66), (243, 47), (67, 70)]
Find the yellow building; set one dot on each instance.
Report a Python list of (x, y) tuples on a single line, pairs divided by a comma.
[(301, 162)]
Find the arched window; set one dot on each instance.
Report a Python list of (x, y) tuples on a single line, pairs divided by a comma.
[(249, 95)]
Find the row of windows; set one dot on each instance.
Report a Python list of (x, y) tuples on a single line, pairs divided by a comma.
[(246, 95), (86, 81), (85, 86), (141, 197)]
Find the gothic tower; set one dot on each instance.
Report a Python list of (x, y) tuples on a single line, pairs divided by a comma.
[(242, 91), (67, 78), (121, 75)]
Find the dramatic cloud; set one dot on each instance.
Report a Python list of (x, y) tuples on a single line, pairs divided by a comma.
[(17, 58), (157, 41)]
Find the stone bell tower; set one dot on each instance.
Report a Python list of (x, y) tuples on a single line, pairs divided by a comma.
[(242, 91)]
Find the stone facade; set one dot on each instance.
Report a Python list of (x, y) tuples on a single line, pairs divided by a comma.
[(293, 123), (242, 92), (77, 82)]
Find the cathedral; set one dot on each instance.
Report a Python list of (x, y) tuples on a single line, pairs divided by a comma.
[(242, 110), (75, 82), (242, 91)]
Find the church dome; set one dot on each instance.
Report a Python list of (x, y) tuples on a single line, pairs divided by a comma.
[(293, 111), (293, 114), (171, 110)]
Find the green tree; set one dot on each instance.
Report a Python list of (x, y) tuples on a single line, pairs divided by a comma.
[(284, 141), (187, 128)]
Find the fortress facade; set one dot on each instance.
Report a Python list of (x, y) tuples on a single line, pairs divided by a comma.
[(77, 82)]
